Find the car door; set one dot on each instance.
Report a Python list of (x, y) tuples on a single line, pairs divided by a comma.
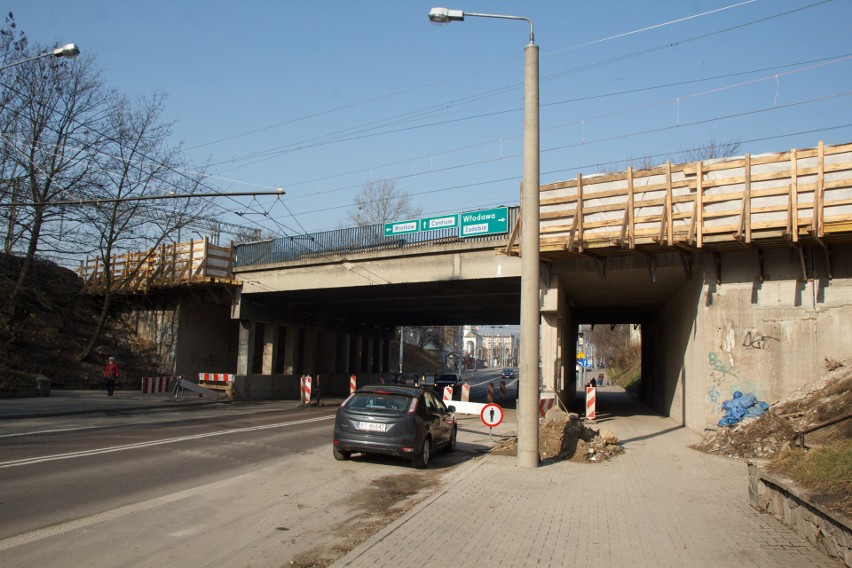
[(440, 422)]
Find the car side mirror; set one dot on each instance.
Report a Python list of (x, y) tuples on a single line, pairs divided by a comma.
[(451, 408)]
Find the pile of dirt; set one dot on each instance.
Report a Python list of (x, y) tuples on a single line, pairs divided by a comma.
[(52, 328), (563, 436), (812, 405)]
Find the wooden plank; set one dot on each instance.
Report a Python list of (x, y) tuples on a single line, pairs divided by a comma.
[(580, 213), (699, 201), (669, 191), (515, 230), (630, 221), (570, 244), (794, 196), (820, 191), (747, 198)]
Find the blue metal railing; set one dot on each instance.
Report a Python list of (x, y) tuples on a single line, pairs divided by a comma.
[(353, 240)]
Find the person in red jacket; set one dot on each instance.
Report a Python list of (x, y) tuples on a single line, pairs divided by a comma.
[(111, 375)]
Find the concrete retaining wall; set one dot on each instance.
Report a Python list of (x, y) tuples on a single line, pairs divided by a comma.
[(785, 500)]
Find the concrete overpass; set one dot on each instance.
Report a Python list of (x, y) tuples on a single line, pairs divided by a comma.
[(738, 270)]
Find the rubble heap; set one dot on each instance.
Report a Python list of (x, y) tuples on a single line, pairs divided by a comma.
[(563, 435), (811, 405)]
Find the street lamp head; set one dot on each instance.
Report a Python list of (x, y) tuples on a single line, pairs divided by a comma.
[(443, 16), (68, 50)]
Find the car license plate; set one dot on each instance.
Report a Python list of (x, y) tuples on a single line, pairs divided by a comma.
[(371, 426)]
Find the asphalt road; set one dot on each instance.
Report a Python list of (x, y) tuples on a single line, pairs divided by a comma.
[(225, 485)]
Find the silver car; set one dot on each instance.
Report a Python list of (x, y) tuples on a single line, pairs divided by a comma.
[(407, 422)]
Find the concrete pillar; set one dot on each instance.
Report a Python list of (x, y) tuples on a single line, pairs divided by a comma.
[(270, 348), (370, 346), (359, 353), (551, 352), (327, 352), (386, 355), (245, 347), (291, 342), (310, 361), (555, 356)]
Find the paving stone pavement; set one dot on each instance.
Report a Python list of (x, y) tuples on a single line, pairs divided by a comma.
[(660, 504)]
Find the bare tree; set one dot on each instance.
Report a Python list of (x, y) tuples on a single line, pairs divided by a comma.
[(711, 150), (49, 144), (381, 201), (137, 172)]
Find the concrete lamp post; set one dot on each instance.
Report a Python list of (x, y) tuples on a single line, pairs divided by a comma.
[(528, 387), (69, 51)]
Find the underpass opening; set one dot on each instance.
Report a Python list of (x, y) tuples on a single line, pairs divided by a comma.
[(609, 357)]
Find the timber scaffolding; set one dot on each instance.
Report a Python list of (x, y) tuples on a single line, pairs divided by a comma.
[(196, 262), (800, 197)]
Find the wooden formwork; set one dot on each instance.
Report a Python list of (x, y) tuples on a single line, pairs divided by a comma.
[(738, 201), (168, 265)]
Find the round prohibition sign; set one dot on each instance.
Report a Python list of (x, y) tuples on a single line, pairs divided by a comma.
[(491, 415)]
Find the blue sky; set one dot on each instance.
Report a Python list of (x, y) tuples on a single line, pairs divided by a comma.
[(321, 96)]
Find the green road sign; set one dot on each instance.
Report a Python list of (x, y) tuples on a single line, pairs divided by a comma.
[(435, 223), (485, 222), (400, 228)]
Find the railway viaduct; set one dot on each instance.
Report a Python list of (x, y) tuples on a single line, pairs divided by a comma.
[(738, 272)]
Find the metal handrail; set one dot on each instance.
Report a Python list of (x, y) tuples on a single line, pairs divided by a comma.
[(800, 436), (353, 240)]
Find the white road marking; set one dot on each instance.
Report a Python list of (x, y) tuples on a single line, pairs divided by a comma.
[(100, 451)]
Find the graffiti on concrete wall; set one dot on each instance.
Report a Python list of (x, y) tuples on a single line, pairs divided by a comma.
[(755, 339), (722, 376), (724, 381)]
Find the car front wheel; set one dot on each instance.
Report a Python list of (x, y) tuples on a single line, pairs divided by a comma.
[(421, 460), (341, 455)]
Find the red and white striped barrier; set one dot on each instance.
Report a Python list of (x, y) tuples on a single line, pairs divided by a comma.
[(465, 396), (448, 393), (490, 393), (216, 377), (502, 391), (353, 384), (545, 404), (151, 385), (590, 403), (305, 388)]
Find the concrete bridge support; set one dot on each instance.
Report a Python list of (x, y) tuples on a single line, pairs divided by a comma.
[(765, 324), (556, 351)]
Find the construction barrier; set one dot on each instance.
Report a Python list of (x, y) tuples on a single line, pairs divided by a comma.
[(545, 404), (448, 393), (590, 403), (490, 392), (305, 389), (353, 384), (502, 391), (218, 381), (151, 385), (215, 377), (465, 396)]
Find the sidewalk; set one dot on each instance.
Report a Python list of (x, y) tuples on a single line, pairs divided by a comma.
[(67, 402), (660, 504)]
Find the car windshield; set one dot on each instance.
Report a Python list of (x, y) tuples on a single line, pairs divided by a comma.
[(378, 402)]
